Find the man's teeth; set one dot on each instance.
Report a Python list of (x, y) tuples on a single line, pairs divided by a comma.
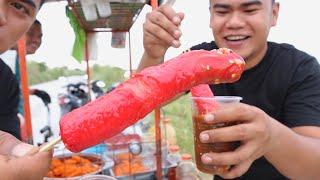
[(235, 38)]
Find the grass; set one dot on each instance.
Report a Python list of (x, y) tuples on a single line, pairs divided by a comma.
[(179, 112)]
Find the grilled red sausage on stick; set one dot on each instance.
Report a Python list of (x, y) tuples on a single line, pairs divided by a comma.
[(135, 98)]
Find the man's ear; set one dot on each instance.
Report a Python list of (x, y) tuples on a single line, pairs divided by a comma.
[(275, 13)]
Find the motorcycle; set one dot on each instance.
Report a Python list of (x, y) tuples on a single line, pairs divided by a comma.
[(96, 87), (77, 95)]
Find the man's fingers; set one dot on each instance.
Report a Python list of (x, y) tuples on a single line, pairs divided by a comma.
[(162, 21), (233, 113), (181, 15), (237, 170), (239, 132), (45, 154), (32, 166), (33, 151), (161, 34), (161, 30), (22, 149), (171, 14), (241, 154)]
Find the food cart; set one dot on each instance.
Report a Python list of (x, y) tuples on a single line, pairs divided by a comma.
[(119, 18)]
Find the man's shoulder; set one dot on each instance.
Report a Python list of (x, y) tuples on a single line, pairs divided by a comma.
[(10, 58), (7, 79), (204, 46), (5, 71), (289, 52)]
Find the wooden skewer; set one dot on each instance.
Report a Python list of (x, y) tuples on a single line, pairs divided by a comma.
[(50, 145)]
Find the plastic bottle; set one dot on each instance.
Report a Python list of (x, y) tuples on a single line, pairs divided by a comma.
[(169, 132), (174, 158), (187, 170)]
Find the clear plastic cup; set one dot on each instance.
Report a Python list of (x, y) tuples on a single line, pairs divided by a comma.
[(198, 116)]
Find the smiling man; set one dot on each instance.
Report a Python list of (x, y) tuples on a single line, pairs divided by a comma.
[(34, 37), (279, 116), (17, 160), (15, 19)]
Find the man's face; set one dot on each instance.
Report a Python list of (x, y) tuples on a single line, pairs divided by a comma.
[(243, 25), (33, 38), (16, 16)]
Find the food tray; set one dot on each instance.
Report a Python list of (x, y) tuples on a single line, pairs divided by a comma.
[(151, 174), (96, 159)]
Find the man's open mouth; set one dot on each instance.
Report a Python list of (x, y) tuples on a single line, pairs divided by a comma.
[(236, 38)]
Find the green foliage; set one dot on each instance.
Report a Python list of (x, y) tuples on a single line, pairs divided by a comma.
[(107, 74), (179, 111), (39, 72)]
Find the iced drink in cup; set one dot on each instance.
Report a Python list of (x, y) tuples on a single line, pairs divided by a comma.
[(201, 108)]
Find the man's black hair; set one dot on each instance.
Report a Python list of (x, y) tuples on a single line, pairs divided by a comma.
[(37, 22)]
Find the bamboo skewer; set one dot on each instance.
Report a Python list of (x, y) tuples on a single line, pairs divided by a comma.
[(50, 145)]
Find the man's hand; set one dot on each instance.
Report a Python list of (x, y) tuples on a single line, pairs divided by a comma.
[(161, 30), (30, 166), (255, 131), (44, 96), (22, 161)]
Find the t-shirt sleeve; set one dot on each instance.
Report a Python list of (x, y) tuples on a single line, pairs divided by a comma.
[(302, 104), (9, 99), (205, 46)]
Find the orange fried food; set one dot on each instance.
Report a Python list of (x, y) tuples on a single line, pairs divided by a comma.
[(128, 165), (71, 166), (56, 162), (123, 156)]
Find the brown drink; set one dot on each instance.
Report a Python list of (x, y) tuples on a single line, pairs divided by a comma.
[(199, 126)]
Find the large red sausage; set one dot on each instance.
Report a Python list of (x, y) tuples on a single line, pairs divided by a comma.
[(203, 91), (138, 96)]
